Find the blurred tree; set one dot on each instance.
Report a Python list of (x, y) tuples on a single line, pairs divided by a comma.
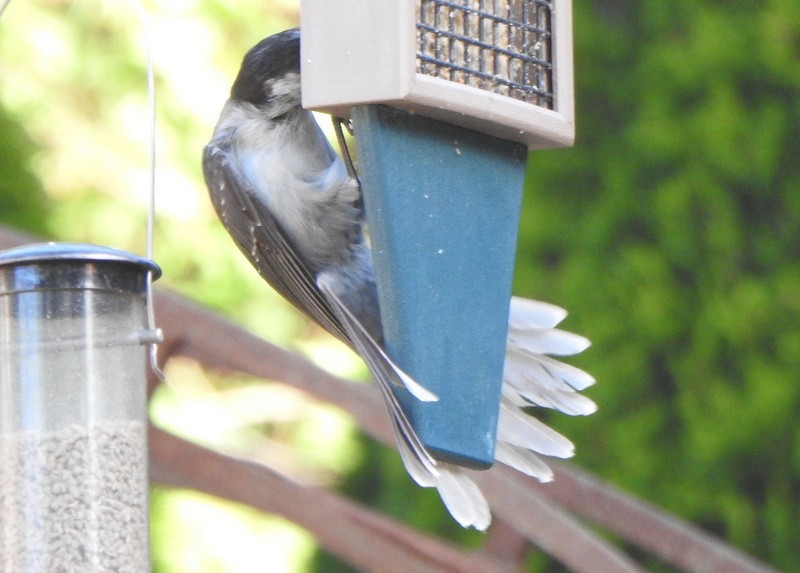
[(23, 203), (672, 233)]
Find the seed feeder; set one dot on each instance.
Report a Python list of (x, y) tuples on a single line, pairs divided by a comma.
[(73, 431), (446, 98)]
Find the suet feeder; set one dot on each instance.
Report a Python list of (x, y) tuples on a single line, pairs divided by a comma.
[(446, 98), (73, 429)]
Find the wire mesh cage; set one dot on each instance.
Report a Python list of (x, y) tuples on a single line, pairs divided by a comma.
[(502, 47), (501, 67)]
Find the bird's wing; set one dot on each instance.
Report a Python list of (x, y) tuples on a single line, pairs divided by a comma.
[(261, 239), (382, 367)]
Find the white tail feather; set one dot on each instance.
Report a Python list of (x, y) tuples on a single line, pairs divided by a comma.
[(523, 461), (419, 472), (525, 314), (548, 341), (463, 498), (516, 427), (521, 371), (566, 401), (522, 368), (575, 377)]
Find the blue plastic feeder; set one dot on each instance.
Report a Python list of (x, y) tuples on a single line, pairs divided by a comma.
[(443, 206)]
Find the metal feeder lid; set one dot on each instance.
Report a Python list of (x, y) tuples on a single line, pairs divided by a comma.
[(51, 252)]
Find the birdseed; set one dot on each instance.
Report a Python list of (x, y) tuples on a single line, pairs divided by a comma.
[(75, 500)]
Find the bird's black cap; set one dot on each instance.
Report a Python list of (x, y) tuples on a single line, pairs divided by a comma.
[(271, 58)]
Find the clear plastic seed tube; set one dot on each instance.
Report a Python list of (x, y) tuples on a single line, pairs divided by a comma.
[(73, 432)]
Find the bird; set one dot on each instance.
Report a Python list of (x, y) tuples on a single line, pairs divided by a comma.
[(294, 209)]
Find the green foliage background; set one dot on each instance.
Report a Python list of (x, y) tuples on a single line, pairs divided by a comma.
[(671, 231)]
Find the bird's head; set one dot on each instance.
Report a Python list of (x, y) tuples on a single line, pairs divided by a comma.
[(270, 74)]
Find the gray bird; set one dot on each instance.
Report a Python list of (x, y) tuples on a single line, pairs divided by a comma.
[(290, 205)]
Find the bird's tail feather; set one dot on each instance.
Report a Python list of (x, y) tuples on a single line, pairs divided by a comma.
[(526, 314), (530, 378), (517, 428), (463, 498), (524, 461)]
